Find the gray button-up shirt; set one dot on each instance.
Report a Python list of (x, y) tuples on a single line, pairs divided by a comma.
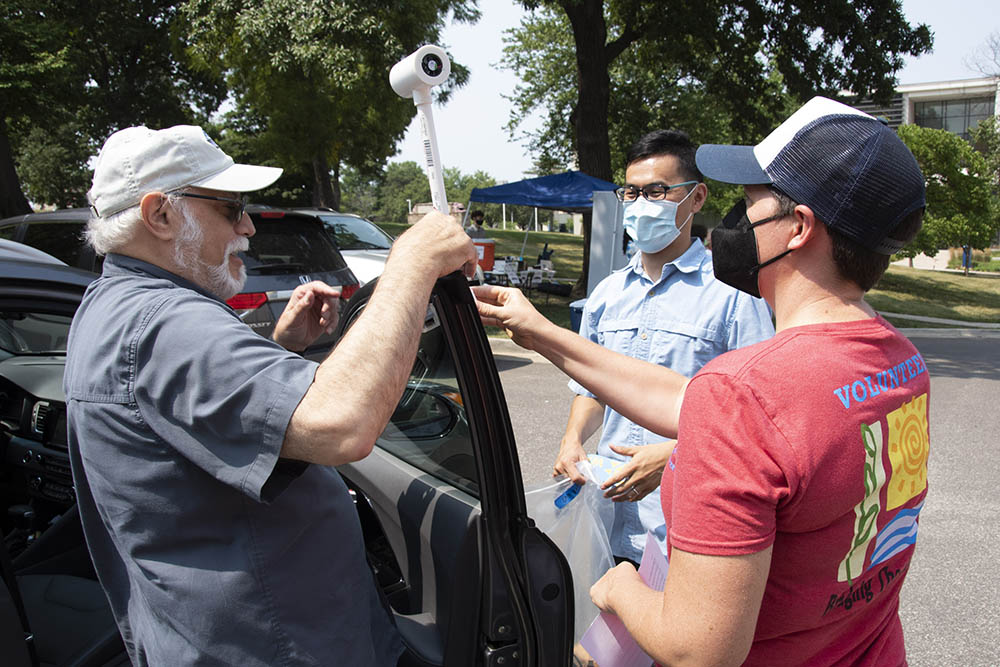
[(211, 549)]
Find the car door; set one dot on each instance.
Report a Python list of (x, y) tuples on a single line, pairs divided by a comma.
[(469, 578)]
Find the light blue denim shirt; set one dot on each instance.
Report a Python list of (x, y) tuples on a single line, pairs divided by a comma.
[(681, 321)]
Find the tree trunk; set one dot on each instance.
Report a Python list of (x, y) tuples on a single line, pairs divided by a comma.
[(590, 122), (12, 200), (322, 194), (335, 182)]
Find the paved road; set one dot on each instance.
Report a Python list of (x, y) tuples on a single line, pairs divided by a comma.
[(950, 600)]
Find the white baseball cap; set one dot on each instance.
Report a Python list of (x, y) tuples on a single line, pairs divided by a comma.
[(138, 160)]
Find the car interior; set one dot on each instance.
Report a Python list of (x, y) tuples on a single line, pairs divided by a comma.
[(52, 608)]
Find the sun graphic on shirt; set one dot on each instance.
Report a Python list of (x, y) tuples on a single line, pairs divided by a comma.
[(908, 446)]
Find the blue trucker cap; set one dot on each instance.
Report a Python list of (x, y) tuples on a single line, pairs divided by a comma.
[(851, 169)]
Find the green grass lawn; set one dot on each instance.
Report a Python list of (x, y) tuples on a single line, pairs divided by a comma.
[(937, 294), (902, 289), (567, 249)]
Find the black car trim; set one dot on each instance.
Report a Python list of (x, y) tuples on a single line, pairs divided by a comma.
[(511, 534)]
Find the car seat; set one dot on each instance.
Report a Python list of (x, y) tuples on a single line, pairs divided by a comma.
[(50, 619)]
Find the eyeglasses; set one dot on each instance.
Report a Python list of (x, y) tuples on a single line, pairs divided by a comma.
[(655, 192), (239, 205)]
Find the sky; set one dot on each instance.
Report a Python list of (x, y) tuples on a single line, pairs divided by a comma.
[(470, 127)]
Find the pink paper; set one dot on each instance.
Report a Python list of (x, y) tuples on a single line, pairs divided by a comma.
[(606, 640)]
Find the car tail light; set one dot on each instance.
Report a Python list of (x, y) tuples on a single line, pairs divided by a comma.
[(347, 291), (272, 214), (248, 301)]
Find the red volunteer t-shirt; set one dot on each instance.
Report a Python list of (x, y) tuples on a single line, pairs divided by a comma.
[(815, 441)]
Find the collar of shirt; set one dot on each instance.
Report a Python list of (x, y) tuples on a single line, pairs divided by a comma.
[(121, 265), (689, 261)]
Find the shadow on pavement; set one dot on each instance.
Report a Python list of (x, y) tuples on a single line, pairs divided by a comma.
[(505, 363), (962, 358)]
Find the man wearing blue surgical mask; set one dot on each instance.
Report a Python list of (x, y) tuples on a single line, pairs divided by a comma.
[(665, 307)]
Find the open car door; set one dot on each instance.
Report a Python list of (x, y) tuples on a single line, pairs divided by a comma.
[(470, 579)]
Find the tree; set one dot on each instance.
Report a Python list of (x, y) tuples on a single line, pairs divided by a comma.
[(402, 185), (69, 78), (985, 59), (54, 165), (986, 139), (736, 54), (359, 193), (315, 74), (961, 206), (33, 63)]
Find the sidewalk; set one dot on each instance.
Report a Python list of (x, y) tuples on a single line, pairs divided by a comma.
[(941, 320), (938, 262), (922, 261)]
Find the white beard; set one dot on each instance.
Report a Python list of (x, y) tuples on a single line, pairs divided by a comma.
[(216, 279)]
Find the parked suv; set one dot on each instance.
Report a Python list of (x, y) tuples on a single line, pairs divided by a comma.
[(289, 249), (59, 233), (363, 244)]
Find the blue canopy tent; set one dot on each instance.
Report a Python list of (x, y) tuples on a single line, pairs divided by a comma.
[(570, 191)]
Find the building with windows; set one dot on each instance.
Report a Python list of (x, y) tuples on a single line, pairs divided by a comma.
[(956, 106)]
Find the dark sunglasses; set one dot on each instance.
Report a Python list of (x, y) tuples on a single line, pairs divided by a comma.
[(239, 204)]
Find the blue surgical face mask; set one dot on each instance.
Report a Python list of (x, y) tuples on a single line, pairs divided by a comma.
[(652, 224)]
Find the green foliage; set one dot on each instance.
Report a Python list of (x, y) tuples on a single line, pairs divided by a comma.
[(315, 76), (723, 71), (383, 199), (359, 194), (649, 90), (53, 165), (71, 76), (701, 70), (34, 59), (986, 139), (961, 207)]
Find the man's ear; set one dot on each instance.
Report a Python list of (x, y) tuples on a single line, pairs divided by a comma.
[(698, 197), (805, 227), (154, 207)]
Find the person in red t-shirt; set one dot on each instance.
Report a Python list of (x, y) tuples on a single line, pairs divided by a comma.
[(793, 495)]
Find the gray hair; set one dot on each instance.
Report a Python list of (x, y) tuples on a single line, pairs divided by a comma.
[(110, 234), (113, 232)]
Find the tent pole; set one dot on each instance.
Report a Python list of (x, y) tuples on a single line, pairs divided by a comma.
[(527, 228), (465, 218), (503, 215)]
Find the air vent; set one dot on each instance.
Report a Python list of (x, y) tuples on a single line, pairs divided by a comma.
[(39, 416)]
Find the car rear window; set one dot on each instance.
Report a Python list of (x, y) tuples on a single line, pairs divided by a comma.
[(355, 234), (63, 240), (290, 245)]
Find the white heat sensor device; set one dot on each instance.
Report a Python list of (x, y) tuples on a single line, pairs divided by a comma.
[(414, 76)]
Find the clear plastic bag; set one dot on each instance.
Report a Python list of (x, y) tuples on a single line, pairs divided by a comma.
[(577, 518)]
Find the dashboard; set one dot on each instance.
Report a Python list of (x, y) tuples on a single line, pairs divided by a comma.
[(33, 422)]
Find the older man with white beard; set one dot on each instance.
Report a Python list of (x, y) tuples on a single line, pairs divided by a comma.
[(193, 439)]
